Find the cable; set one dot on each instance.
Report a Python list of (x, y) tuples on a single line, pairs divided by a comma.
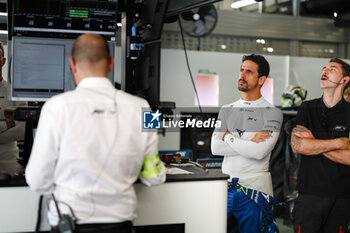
[(108, 153), (66, 223), (54, 200), (199, 44), (188, 66), (56, 204)]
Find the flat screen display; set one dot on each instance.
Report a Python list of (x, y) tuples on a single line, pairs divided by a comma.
[(64, 18), (40, 68)]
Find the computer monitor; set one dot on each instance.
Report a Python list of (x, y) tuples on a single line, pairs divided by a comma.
[(62, 19), (40, 68)]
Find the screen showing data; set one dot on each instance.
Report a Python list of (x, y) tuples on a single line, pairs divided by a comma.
[(40, 67), (64, 18)]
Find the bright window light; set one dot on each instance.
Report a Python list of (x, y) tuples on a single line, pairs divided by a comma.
[(242, 3), (3, 14), (3, 32), (207, 86)]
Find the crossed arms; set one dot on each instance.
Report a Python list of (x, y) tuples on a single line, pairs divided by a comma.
[(304, 142), (258, 147), (257, 142)]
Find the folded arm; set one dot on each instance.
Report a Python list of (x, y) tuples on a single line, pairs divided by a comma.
[(304, 142), (339, 156), (262, 143), (256, 149), (219, 147), (13, 134)]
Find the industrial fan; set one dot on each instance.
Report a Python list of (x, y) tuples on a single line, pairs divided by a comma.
[(199, 22)]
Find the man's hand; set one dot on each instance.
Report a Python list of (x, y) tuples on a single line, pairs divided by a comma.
[(302, 144), (345, 143), (302, 132), (10, 124), (227, 133), (261, 136)]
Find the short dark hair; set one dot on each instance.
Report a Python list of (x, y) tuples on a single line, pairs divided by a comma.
[(263, 65), (345, 68), (347, 86)]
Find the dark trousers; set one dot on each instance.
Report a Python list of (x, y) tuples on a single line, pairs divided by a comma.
[(123, 227), (314, 214)]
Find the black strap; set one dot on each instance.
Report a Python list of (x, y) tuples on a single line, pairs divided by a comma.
[(38, 220), (108, 227)]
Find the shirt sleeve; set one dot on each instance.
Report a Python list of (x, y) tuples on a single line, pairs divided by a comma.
[(272, 121), (218, 146), (45, 151)]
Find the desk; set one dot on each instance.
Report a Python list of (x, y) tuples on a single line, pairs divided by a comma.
[(198, 201)]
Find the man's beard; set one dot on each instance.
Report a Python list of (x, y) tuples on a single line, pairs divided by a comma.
[(244, 87)]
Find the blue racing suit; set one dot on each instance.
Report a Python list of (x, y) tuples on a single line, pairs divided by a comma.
[(252, 210)]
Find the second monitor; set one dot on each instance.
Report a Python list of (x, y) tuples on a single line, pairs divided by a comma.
[(40, 68)]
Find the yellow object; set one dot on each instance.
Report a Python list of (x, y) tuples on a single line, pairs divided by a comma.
[(152, 166)]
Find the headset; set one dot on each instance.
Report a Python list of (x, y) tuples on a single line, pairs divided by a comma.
[(343, 81)]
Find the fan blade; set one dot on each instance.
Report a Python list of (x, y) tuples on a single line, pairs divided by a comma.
[(199, 28), (207, 11)]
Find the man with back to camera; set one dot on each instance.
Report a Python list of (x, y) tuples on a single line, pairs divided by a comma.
[(249, 131), (89, 147), (322, 138), (10, 131)]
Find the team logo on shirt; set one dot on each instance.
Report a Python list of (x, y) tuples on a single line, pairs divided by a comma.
[(151, 120), (240, 132), (251, 119), (339, 128), (246, 110)]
